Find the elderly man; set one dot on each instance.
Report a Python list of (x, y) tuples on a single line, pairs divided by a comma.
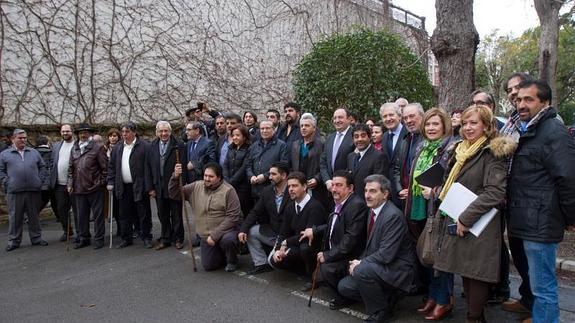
[(388, 264), (541, 199), (86, 180), (21, 175), (162, 160), (129, 178), (391, 117), (263, 153), (217, 222)]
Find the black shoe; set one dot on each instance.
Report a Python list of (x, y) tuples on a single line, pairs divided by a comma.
[(82, 244), (42, 243), (148, 244), (231, 267), (124, 244), (379, 317), (339, 302), (63, 237), (196, 242), (98, 244), (11, 247), (260, 269)]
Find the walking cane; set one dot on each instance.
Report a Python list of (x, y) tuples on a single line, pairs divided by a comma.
[(185, 210), (314, 278), (68, 233), (111, 215)]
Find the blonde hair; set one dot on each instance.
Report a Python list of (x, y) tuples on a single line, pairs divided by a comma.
[(486, 117), (445, 121)]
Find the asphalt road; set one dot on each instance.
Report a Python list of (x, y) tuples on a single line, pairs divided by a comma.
[(49, 284)]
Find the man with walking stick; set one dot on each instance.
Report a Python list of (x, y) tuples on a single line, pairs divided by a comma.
[(216, 207)]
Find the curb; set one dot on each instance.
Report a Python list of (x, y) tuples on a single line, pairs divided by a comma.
[(565, 265)]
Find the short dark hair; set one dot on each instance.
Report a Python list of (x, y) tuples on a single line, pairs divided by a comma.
[(217, 168), (361, 127), (345, 109), (274, 111), (543, 89), (344, 174), (130, 126), (231, 115), (41, 140), (383, 182), (299, 176), (293, 105), (522, 76), (355, 117), (282, 167)]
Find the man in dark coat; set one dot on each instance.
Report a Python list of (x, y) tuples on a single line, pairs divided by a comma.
[(87, 180), (262, 225), (337, 146), (541, 192), (388, 263), (365, 160), (302, 213), (391, 117), (129, 178), (201, 151), (162, 161), (289, 131), (343, 236)]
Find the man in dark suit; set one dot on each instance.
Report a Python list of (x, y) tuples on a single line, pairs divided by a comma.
[(262, 225), (391, 117), (59, 179), (162, 161), (365, 160), (388, 263), (129, 178), (343, 236), (201, 151), (289, 131), (302, 213), (412, 118), (337, 146)]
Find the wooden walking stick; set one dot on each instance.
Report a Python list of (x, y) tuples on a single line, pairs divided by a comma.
[(68, 233), (111, 214), (185, 210), (317, 265)]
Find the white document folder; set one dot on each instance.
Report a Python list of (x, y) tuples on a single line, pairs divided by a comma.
[(457, 200)]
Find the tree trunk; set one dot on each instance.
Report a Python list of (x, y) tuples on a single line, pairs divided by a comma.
[(548, 12), (454, 43)]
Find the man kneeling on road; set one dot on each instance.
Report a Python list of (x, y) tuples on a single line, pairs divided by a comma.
[(262, 225), (216, 208), (388, 263)]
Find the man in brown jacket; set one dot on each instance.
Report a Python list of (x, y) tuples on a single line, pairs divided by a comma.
[(216, 208), (86, 180)]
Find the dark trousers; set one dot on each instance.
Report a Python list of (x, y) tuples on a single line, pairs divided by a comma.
[(300, 259), (520, 262), (225, 251), (91, 202), (170, 215), (330, 273), (64, 202), (477, 293), (18, 204), (132, 212), (365, 285)]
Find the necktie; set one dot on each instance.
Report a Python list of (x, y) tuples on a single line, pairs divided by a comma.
[(336, 144), (356, 161), (389, 146), (410, 152), (371, 222), (298, 209), (162, 148), (192, 148), (334, 219)]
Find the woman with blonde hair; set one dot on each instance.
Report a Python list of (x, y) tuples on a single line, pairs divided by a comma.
[(478, 163)]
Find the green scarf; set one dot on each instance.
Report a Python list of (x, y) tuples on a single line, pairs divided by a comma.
[(424, 161)]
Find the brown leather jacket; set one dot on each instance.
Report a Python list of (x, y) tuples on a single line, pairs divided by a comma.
[(88, 170)]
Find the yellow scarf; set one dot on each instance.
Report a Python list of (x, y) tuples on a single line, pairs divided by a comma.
[(463, 152)]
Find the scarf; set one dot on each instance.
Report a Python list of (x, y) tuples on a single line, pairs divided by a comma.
[(463, 152), (424, 161)]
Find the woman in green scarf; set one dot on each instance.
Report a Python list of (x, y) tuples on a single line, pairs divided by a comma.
[(436, 131)]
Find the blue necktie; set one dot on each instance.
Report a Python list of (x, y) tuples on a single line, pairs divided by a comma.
[(390, 145)]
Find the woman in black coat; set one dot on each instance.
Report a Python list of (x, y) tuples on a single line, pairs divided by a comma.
[(235, 167)]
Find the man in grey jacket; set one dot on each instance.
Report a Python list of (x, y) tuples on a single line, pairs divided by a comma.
[(21, 172)]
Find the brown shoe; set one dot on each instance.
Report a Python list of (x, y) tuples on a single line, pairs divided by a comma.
[(161, 246), (439, 312), (514, 306), (527, 320), (426, 307), (179, 245)]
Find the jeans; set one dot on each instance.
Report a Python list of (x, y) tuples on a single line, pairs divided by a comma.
[(541, 258), (440, 287)]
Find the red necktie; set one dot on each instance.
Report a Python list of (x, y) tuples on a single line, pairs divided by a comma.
[(371, 222)]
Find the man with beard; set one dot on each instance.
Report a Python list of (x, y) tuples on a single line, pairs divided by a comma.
[(217, 220), (273, 115), (220, 128), (289, 132), (59, 180)]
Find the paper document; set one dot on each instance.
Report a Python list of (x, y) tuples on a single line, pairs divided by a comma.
[(457, 199)]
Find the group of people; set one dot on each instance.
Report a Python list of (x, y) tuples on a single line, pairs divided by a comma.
[(350, 212)]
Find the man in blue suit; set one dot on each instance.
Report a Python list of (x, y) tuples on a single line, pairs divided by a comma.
[(201, 151), (388, 264)]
